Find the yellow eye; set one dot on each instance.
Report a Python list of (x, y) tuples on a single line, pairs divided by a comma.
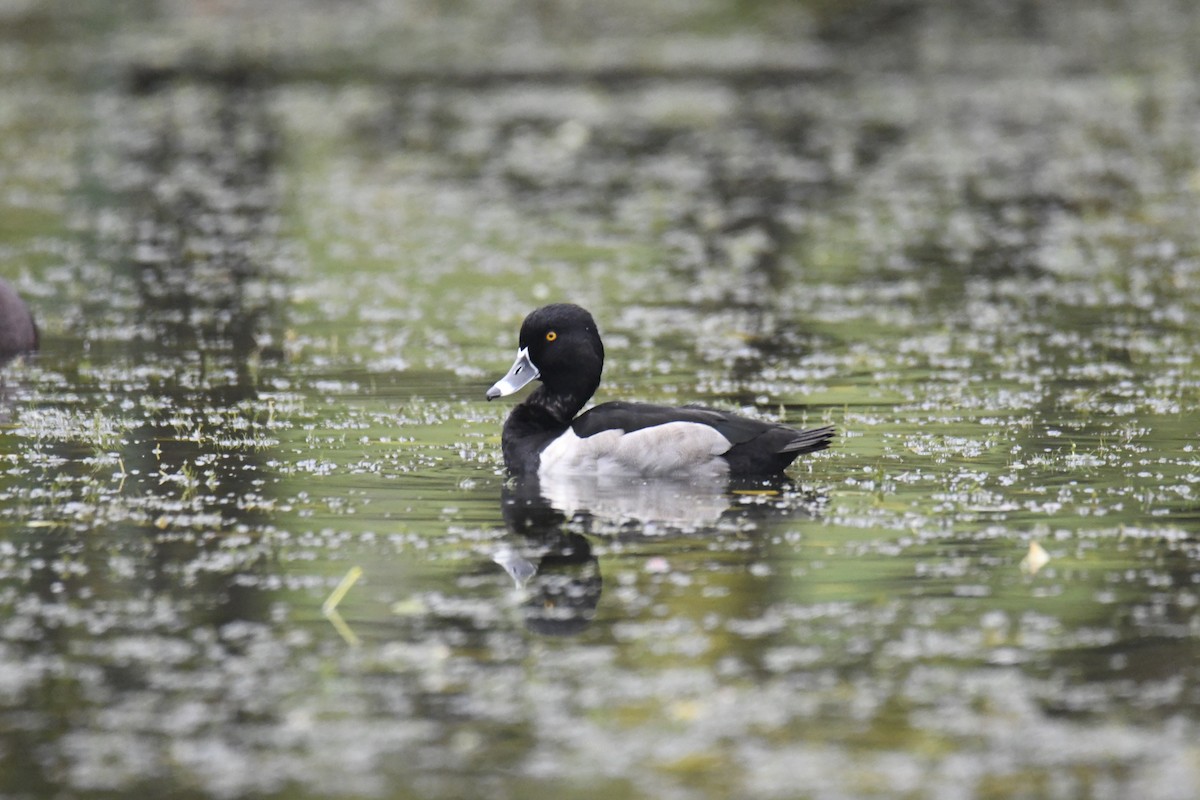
[(551, 336)]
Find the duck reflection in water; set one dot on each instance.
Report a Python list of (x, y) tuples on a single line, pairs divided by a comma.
[(550, 557), (554, 567)]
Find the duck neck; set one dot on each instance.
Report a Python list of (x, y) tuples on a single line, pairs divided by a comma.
[(534, 424), (560, 406)]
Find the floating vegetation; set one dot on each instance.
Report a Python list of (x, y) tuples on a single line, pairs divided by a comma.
[(330, 607), (1035, 559)]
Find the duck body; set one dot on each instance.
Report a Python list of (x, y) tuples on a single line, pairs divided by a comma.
[(560, 345)]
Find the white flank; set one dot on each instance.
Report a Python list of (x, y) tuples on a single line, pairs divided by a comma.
[(676, 448)]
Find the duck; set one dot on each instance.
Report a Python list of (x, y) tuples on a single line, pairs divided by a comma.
[(18, 331), (547, 436)]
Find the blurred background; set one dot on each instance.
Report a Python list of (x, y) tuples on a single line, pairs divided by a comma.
[(277, 252)]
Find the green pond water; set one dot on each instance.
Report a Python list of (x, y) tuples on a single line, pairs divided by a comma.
[(256, 539)]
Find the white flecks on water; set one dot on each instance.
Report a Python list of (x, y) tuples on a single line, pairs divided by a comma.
[(255, 534)]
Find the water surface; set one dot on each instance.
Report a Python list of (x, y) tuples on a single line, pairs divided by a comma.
[(278, 255)]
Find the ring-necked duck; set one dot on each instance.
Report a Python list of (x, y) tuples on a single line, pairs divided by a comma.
[(560, 345)]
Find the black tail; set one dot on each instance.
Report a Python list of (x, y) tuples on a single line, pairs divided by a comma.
[(775, 448), (809, 441)]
